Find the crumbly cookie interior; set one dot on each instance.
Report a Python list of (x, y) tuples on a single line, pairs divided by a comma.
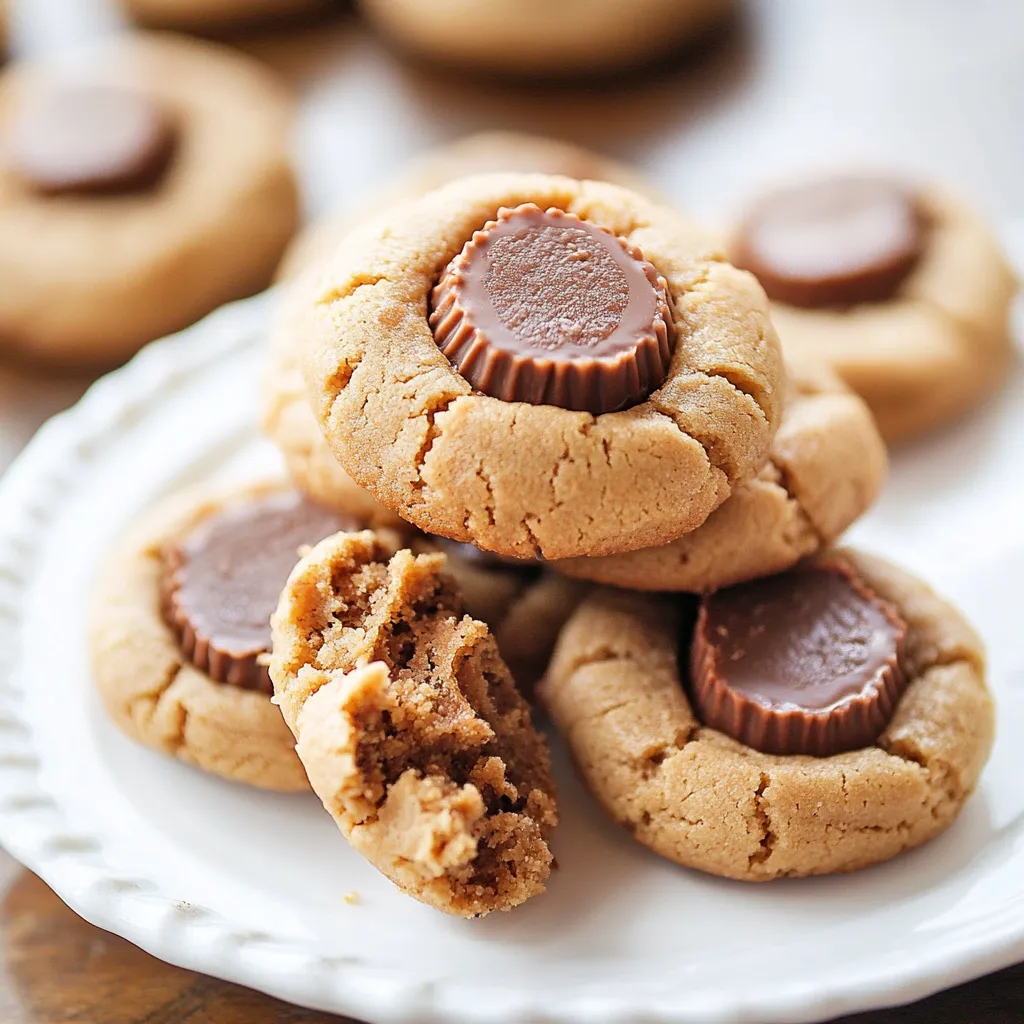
[(447, 786)]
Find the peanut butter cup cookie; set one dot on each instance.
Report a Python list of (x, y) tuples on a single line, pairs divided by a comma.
[(180, 628), (287, 418), (817, 721), (551, 40), (826, 467), (410, 727), (903, 290), (542, 367), (137, 196)]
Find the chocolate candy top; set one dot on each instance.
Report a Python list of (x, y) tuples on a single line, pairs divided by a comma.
[(90, 140), (836, 242), (806, 662), (222, 582), (545, 308)]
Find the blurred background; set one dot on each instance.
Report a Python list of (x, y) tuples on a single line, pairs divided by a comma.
[(778, 89), (773, 92)]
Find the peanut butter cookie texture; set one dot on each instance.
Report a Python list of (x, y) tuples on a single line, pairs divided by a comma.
[(542, 367), (410, 726), (902, 290), (287, 418), (826, 467), (180, 628), (813, 722)]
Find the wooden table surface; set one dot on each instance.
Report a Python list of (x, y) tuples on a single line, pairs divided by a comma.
[(935, 89)]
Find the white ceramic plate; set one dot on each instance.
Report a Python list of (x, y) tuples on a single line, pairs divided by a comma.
[(250, 886)]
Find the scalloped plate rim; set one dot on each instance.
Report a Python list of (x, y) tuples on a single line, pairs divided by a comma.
[(192, 937)]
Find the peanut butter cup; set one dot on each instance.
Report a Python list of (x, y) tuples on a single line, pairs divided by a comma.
[(222, 581), (545, 308), (836, 242), (92, 140), (807, 662)]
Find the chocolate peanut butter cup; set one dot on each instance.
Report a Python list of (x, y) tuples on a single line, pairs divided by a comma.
[(92, 140), (807, 662), (836, 242), (545, 308), (222, 581)]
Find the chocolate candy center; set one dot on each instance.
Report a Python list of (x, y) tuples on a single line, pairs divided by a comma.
[(92, 140), (546, 308), (834, 243), (224, 579), (804, 662)]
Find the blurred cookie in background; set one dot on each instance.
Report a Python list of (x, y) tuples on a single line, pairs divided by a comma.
[(139, 193), (481, 153), (537, 38), (903, 290), (216, 16)]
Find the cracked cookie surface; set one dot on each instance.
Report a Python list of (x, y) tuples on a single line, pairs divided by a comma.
[(410, 726), (697, 797), (148, 686), (938, 347), (826, 466), (526, 480)]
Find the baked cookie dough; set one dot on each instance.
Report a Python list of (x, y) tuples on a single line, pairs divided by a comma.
[(825, 469), (287, 418), (694, 795), (410, 726), (482, 153), (535, 38), (665, 330), (139, 198), (216, 15), (902, 290), (179, 667), (289, 423)]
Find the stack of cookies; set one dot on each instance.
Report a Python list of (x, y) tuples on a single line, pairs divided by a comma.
[(544, 443)]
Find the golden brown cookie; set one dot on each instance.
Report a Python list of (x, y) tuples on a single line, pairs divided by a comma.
[(178, 197), (168, 678), (410, 726), (616, 691), (902, 290), (550, 40), (287, 418), (482, 153), (216, 15), (529, 479), (826, 467), (289, 422)]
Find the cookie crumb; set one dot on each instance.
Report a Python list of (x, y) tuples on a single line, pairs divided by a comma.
[(352, 898)]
